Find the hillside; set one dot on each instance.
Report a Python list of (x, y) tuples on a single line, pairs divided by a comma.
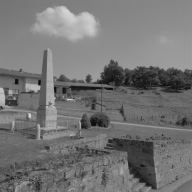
[(157, 107)]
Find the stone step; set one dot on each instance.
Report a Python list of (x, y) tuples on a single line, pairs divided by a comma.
[(146, 189), (109, 144), (134, 182), (131, 176), (139, 187), (108, 148), (110, 140)]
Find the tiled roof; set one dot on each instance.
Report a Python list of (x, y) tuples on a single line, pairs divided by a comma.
[(11, 72)]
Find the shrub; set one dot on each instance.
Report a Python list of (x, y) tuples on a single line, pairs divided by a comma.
[(184, 121), (85, 122), (100, 119)]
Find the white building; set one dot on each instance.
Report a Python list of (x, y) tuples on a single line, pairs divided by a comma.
[(15, 82)]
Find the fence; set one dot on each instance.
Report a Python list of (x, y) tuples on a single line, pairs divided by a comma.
[(28, 126)]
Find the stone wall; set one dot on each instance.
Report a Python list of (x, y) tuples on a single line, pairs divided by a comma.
[(158, 162), (140, 157), (27, 100), (173, 159), (97, 142), (84, 171)]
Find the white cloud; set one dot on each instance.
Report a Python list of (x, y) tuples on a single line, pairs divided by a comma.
[(164, 40), (60, 22)]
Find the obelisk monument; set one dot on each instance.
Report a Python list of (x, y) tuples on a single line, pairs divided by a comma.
[(46, 112)]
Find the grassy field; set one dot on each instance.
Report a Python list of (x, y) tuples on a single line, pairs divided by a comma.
[(163, 108)]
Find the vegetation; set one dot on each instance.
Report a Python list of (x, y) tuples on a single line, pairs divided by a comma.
[(100, 119), (113, 73), (88, 78), (63, 78), (85, 122), (184, 121), (144, 77)]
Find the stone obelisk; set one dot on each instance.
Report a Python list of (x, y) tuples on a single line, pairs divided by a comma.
[(46, 112)]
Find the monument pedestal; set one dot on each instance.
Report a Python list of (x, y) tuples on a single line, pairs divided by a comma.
[(46, 112), (47, 117)]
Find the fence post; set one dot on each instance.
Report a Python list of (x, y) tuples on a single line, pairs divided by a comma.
[(28, 116), (12, 126), (38, 132)]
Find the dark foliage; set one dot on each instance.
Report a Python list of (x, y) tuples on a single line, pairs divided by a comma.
[(85, 122), (100, 119), (184, 121)]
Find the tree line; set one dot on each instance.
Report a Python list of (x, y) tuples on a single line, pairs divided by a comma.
[(63, 78), (145, 77), (114, 74)]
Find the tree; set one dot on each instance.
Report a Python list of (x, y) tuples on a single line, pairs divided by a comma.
[(177, 78), (63, 78), (113, 73), (144, 77), (98, 81), (88, 78), (163, 77), (74, 81), (81, 81), (128, 76), (188, 75)]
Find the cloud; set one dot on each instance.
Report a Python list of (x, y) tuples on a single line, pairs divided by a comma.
[(60, 22), (164, 40)]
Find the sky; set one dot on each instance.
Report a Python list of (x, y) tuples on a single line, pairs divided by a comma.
[(84, 35)]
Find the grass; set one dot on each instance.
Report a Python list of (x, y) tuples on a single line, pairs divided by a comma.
[(149, 106), (16, 147)]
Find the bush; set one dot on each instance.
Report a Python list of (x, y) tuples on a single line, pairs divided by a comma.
[(184, 121), (100, 119), (85, 122)]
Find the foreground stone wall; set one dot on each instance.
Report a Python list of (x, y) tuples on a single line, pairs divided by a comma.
[(84, 171), (140, 157), (173, 159), (158, 162)]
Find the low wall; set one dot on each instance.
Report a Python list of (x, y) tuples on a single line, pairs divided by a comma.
[(158, 162), (7, 117), (82, 171), (27, 100), (97, 142)]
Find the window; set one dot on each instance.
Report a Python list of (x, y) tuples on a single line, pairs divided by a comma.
[(16, 81), (39, 82), (15, 91), (64, 90)]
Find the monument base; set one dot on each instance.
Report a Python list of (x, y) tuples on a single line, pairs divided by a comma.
[(56, 133), (47, 117)]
